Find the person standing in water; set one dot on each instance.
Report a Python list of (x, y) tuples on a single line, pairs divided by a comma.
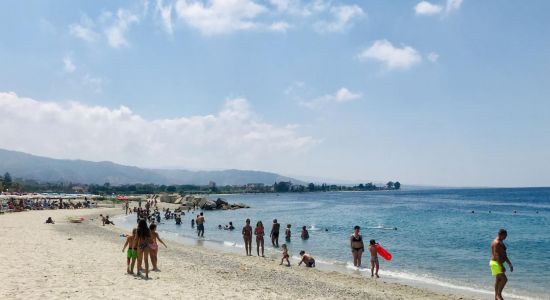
[(247, 237), (357, 246), (259, 232), (275, 233), (374, 263), (498, 258), (288, 233), (200, 225), (305, 233)]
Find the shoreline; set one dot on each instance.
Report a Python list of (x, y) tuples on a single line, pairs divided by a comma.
[(85, 261)]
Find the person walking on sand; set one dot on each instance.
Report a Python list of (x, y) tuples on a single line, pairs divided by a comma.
[(275, 233), (285, 255), (259, 232), (307, 259), (200, 225), (357, 246), (498, 258), (247, 237), (374, 263), (143, 240), (131, 242), (154, 246)]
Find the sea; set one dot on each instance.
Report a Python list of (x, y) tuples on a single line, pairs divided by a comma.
[(439, 238)]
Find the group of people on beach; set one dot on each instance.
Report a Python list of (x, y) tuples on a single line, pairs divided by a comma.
[(14, 205), (142, 245)]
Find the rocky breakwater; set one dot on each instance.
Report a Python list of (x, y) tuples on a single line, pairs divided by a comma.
[(200, 202)]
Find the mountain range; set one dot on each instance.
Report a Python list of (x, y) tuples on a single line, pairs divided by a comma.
[(43, 169)]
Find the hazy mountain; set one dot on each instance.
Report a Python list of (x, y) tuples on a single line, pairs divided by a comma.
[(26, 166)]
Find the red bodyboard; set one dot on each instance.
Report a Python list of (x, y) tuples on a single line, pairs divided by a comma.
[(383, 252)]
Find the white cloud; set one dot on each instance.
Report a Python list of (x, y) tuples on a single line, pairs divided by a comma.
[(453, 5), (84, 30), (341, 96), (279, 26), (433, 57), (343, 16), (115, 33), (93, 83), (427, 8), (68, 65), (165, 13), (298, 8), (232, 138), (219, 16), (392, 57)]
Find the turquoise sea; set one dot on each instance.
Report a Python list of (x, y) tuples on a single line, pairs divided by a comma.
[(438, 242)]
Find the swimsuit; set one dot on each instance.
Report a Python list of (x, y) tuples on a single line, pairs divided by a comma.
[(496, 267), (311, 263), (357, 240), (259, 234), (132, 253)]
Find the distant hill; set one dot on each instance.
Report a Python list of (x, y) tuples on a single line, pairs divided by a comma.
[(27, 166)]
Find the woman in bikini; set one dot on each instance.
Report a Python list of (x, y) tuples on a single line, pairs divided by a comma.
[(247, 236), (259, 232), (357, 246), (143, 240), (154, 246)]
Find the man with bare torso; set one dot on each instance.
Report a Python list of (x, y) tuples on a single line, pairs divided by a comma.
[(498, 258), (200, 225)]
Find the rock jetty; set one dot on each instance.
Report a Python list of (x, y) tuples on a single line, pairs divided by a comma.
[(199, 201)]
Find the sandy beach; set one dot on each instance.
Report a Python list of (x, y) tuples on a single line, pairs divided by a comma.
[(85, 261)]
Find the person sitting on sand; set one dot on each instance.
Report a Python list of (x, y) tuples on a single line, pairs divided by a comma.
[(307, 259), (305, 233), (143, 241), (50, 221), (357, 246), (259, 232), (285, 255), (131, 256), (498, 258), (247, 237), (153, 246), (275, 233), (108, 222), (288, 233), (102, 219), (374, 263)]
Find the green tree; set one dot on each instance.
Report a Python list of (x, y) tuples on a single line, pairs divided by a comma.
[(311, 187), (7, 180), (397, 185), (171, 189), (389, 185)]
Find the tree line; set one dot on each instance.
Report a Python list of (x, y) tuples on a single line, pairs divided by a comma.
[(7, 183)]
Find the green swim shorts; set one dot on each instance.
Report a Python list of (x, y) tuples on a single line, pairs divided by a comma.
[(496, 267), (132, 253)]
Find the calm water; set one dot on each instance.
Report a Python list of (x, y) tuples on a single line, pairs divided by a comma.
[(438, 241)]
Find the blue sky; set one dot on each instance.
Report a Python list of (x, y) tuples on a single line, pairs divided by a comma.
[(425, 92)]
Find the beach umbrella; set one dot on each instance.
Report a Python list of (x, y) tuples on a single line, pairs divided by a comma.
[(122, 198)]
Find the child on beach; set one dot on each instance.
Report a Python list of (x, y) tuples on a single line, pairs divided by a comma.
[(259, 232), (307, 259), (285, 255), (50, 221), (288, 234), (154, 246), (132, 254), (373, 259), (247, 236)]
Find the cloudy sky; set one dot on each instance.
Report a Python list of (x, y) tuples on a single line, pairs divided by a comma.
[(441, 92)]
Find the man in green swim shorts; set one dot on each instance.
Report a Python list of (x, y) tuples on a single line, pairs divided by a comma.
[(498, 258)]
